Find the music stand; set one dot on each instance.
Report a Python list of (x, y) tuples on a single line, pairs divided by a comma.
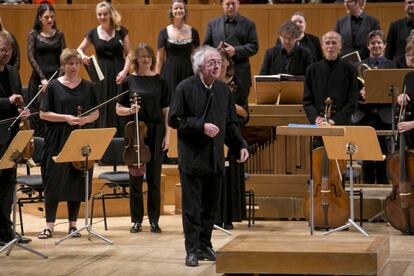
[(360, 143), (10, 159), (382, 86), (84, 145), (311, 131)]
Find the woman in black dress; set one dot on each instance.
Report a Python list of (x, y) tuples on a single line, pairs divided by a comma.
[(153, 111), (232, 197), (306, 40), (62, 182), (176, 43), (112, 45), (44, 46)]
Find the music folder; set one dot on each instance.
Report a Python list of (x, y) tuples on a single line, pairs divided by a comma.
[(93, 69), (278, 89)]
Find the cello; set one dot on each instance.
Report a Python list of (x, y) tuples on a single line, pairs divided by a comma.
[(331, 202), (399, 205), (136, 153)]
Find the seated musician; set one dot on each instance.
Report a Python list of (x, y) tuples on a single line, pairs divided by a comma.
[(375, 115), (331, 77), (287, 57)]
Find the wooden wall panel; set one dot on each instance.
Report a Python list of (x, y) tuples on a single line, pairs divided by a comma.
[(145, 21)]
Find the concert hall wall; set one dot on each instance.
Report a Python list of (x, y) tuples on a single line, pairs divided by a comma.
[(145, 21)]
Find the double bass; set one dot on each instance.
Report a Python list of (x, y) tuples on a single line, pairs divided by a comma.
[(331, 202), (399, 205), (136, 153)]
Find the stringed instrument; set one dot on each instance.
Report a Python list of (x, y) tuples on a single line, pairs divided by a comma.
[(80, 165), (399, 205), (136, 153), (331, 202)]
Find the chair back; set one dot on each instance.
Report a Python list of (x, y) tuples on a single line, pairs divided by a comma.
[(113, 154), (38, 149)]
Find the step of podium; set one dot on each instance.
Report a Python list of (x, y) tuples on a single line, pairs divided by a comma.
[(336, 254)]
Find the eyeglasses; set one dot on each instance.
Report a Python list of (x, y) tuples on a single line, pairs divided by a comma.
[(5, 51), (213, 62)]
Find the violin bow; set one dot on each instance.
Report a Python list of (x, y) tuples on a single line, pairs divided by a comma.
[(104, 103), (34, 98)]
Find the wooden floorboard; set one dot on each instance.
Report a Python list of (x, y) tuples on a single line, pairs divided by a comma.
[(146, 253)]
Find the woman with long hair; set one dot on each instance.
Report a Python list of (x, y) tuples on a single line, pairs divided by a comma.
[(176, 43), (112, 47), (44, 46)]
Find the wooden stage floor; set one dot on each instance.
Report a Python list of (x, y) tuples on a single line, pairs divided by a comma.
[(146, 253)]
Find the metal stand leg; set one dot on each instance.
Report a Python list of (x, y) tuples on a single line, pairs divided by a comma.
[(87, 226), (311, 215), (351, 149), (16, 238), (222, 229)]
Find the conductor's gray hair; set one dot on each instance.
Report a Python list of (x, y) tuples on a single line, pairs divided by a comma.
[(198, 57)]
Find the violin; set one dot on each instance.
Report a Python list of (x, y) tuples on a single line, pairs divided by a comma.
[(80, 165), (399, 205), (136, 153), (331, 202)]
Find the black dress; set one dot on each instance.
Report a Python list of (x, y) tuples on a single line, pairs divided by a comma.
[(62, 182), (155, 96), (44, 54), (110, 55), (177, 66), (232, 193)]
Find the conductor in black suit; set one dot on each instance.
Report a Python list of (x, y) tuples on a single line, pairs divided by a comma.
[(287, 57), (399, 31), (237, 35), (355, 27)]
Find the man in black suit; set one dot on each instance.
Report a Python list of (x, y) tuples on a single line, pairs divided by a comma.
[(203, 112), (355, 27), (399, 31), (237, 35), (331, 77), (287, 57), (376, 115), (10, 95)]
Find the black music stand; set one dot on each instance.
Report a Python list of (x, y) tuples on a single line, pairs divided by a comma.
[(84, 145), (359, 143), (382, 86), (10, 159), (311, 131)]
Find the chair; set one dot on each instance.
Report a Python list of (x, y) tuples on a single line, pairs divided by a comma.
[(116, 180), (251, 203), (31, 185)]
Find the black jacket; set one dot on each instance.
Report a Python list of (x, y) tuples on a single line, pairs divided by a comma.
[(396, 37), (190, 108)]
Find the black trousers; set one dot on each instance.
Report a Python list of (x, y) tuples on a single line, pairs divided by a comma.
[(200, 194), (7, 184), (153, 175), (51, 209)]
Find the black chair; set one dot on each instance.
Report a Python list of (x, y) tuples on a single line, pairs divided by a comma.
[(118, 181), (31, 186), (251, 203)]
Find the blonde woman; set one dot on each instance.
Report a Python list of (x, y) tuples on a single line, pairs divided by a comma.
[(112, 47)]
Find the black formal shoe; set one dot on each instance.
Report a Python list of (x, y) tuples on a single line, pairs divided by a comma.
[(155, 228), (228, 226), (136, 228), (206, 254), (191, 260)]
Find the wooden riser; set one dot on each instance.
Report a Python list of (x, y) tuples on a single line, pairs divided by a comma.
[(302, 254)]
